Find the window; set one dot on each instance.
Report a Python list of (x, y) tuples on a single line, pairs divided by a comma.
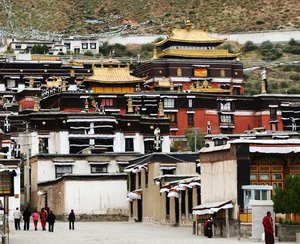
[(168, 170), (220, 142), (92, 45), (84, 46), (122, 167), (225, 106), (98, 168), (68, 45), (11, 83), (191, 119), (107, 102), (18, 46), (129, 145), (264, 176), (76, 50), (276, 176), (225, 118), (172, 117), (190, 103), (43, 145), (63, 169), (169, 103), (146, 177), (273, 113), (264, 168), (253, 168), (253, 176), (277, 168)]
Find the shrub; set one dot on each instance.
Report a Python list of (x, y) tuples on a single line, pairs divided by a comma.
[(249, 46), (284, 84), (88, 53), (296, 68), (260, 22), (286, 68), (295, 77)]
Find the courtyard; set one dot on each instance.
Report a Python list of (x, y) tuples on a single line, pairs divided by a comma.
[(114, 233)]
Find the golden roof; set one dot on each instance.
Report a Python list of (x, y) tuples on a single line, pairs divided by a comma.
[(112, 75), (197, 53), (189, 35)]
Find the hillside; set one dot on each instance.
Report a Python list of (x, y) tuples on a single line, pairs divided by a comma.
[(36, 18)]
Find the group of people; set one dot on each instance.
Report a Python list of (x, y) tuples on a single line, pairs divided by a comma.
[(44, 216)]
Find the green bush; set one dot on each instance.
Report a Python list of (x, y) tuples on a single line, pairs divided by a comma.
[(284, 84), (296, 68), (249, 46), (295, 77), (260, 22), (88, 53), (286, 67)]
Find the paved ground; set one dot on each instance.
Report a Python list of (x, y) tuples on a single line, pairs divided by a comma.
[(115, 233)]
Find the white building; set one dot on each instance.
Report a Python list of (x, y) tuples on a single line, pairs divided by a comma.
[(81, 44)]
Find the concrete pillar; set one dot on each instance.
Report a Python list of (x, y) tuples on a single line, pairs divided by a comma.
[(227, 222)]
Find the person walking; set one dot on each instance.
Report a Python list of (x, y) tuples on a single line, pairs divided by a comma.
[(269, 230), (71, 220), (208, 228), (43, 217), (26, 217), (51, 221), (17, 218), (35, 218)]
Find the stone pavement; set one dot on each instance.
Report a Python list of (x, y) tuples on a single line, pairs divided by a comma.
[(115, 233)]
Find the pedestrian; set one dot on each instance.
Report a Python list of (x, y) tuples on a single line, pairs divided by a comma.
[(71, 220), (26, 217), (43, 217), (35, 218), (269, 230), (51, 221), (17, 218), (208, 228)]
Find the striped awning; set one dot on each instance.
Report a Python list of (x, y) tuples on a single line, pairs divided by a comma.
[(212, 207)]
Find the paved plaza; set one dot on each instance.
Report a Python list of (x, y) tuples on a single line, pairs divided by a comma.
[(115, 233)]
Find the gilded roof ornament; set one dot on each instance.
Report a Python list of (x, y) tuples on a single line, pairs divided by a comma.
[(188, 25)]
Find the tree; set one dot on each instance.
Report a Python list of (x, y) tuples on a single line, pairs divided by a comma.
[(249, 46), (288, 200), (39, 49), (192, 135)]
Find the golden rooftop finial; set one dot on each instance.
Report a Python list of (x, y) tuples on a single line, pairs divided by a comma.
[(188, 25)]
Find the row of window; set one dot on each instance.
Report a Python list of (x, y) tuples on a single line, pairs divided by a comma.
[(60, 170), (83, 45)]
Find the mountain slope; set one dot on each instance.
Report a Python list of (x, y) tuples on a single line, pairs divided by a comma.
[(145, 16)]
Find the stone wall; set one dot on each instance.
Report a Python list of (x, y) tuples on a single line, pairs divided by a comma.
[(95, 217), (287, 232)]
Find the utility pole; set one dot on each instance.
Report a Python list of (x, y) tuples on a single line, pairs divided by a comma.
[(27, 169)]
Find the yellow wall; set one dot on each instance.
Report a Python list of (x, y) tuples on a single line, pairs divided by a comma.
[(113, 89)]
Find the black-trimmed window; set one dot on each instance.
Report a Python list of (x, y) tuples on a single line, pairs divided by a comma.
[(60, 170), (93, 45), (107, 102), (190, 103), (84, 46), (68, 45), (129, 145), (191, 119), (273, 113), (99, 168), (43, 145), (226, 118), (169, 102)]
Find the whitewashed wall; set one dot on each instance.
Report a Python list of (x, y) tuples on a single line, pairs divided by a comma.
[(96, 197), (219, 181)]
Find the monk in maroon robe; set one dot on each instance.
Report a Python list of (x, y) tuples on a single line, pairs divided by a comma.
[(269, 230)]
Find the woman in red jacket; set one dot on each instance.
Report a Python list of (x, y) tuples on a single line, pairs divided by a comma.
[(43, 217)]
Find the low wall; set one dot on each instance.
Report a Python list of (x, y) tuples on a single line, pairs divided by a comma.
[(287, 232), (95, 217)]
